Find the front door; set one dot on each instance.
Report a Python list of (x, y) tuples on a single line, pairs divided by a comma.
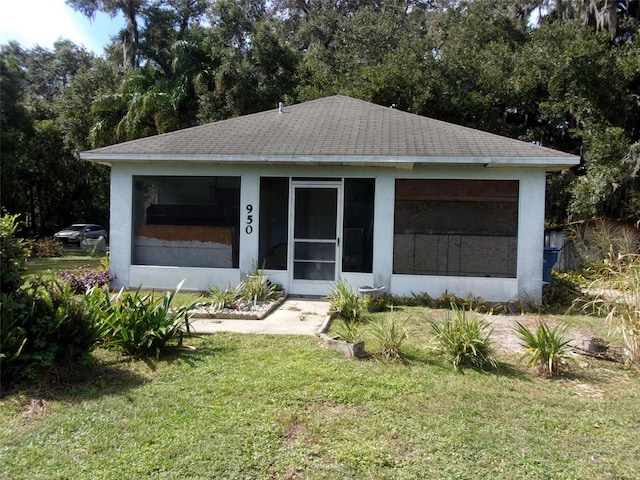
[(314, 260)]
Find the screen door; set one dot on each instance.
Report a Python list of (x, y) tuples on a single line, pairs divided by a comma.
[(315, 256)]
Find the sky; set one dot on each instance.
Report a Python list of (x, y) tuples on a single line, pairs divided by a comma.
[(42, 22)]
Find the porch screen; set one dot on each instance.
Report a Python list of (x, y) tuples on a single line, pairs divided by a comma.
[(357, 245), (274, 220), (456, 227), (186, 221)]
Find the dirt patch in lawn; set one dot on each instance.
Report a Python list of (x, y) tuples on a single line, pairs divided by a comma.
[(506, 339), (504, 329)]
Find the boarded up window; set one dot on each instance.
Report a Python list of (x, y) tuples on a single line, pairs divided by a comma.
[(456, 227), (186, 221)]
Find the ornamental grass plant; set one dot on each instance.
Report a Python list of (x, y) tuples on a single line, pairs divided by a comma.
[(547, 348), (346, 303), (139, 324), (619, 303), (390, 335), (348, 330), (465, 340)]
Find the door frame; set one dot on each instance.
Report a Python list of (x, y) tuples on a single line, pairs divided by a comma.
[(314, 287)]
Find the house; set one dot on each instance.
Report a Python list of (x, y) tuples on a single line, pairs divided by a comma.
[(327, 189)]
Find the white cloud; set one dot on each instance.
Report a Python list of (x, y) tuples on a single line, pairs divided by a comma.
[(42, 22)]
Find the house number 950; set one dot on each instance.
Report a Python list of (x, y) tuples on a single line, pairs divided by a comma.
[(249, 227)]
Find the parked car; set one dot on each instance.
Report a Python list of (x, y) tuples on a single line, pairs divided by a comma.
[(77, 232)]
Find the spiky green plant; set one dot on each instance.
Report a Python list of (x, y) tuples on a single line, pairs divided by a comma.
[(349, 331), (257, 288), (389, 334), (222, 298), (545, 347), (345, 302), (139, 324), (465, 340)]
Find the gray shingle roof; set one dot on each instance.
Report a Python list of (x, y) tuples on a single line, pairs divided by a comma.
[(336, 126)]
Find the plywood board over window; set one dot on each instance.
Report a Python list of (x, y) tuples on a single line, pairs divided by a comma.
[(186, 221), (456, 227)]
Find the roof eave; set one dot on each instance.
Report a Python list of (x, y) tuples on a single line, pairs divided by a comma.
[(403, 162)]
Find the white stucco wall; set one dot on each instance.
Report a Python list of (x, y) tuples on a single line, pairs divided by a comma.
[(249, 242), (383, 230), (531, 233), (120, 225), (530, 229)]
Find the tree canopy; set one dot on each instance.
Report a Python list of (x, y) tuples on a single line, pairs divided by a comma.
[(561, 73)]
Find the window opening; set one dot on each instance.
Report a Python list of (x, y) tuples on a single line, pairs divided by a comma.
[(456, 227), (186, 221)]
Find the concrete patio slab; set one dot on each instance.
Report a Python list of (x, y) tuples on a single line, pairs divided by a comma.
[(296, 316)]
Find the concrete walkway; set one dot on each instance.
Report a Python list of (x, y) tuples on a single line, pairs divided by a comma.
[(296, 316)]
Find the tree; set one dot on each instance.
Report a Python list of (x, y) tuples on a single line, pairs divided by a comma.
[(153, 99), (15, 128), (569, 82), (186, 13), (577, 89), (166, 23), (618, 17), (48, 74), (375, 54), (256, 67), (130, 9), (43, 128), (471, 84), (73, 109)]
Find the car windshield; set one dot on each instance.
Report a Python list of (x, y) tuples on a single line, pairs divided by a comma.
[(75, 228)]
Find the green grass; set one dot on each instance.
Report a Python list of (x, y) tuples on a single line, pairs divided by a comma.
[(70, 260), (248, 406), (258, 406)]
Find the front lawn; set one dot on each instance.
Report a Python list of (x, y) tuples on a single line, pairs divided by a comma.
[(70, 260), (252, 406)]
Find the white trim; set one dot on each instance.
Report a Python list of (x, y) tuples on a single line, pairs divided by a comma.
[(407, 162), (198, 279), (487, 288), (314, 287)]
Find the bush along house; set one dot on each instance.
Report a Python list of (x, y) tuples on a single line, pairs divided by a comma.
[(328, 189)]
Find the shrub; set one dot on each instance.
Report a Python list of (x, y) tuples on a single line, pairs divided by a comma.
[(345, 302), (376, 303), (601, 239), (13, 337), (389, 334), (546, 347), (13, 253), (139, 324), (445, 300), (465, 340), (83, 279), (48, 247), (44, 324), (560, 293)]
